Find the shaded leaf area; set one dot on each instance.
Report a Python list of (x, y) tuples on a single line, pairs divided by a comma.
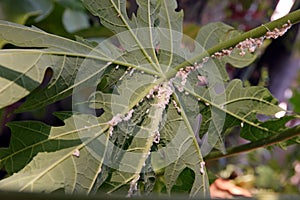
[(184, 182), (60, 17), (25, 9)]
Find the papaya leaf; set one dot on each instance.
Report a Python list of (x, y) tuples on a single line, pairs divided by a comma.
[(23, 77), (170, 33), (160, 111), (64, 155), (65, 57)]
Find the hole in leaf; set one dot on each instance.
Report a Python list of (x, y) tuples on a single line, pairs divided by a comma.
[(47, 77), (99, 112), (184, 182)]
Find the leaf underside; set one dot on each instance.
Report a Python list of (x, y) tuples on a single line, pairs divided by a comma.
[(154, 118)]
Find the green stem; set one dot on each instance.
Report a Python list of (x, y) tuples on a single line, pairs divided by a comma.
[(294, 18), (275, 139)]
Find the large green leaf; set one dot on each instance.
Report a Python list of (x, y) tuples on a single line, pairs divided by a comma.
[(152, 109), (63, 56)]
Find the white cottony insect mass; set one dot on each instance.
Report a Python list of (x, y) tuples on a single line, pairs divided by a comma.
[(202, 165), (76, 153)]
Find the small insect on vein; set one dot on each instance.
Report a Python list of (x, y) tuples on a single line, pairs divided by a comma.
[(76, 153), (156, 137), (202, 164)]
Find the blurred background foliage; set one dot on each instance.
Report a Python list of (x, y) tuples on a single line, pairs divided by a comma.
[(277, 68)]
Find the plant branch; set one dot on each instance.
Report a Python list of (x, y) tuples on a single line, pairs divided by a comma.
[(275, 139), (294, 18)]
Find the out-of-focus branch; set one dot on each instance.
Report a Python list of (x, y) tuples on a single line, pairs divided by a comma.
[(275, 139)]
